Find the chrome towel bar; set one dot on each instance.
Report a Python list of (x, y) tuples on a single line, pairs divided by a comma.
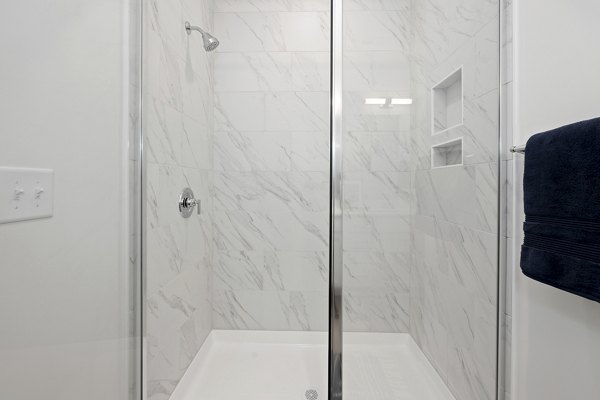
[(518, 149)]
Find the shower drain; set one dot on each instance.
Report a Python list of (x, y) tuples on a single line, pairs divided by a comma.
[(311, 394)]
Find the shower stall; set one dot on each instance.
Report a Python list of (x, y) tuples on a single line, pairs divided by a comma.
[(344, 159), (256, 199)]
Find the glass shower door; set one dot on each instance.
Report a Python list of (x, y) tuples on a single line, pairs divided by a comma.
[(236, 293), (420, 169)]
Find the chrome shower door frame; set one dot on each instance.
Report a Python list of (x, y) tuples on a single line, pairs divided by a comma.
[(335, 223)]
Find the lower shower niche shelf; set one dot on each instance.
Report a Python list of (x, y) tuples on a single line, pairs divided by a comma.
[(447, 154)]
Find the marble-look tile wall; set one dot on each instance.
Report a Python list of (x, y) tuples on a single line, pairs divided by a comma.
[(178, 124), (453, 285), (376, 166), (271, 168)]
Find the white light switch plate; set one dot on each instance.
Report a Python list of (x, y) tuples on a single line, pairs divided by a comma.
[(26, 193)]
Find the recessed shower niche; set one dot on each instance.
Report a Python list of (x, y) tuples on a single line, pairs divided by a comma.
[(447, 154), (447, 99)]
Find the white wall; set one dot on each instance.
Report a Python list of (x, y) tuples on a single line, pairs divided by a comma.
[(556, 335), (63, 280)]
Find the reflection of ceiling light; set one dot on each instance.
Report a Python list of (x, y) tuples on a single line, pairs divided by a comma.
[(377, 101), (383, 101), (402, 101)]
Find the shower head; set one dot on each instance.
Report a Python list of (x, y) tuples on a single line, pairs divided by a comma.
[(210, 42)]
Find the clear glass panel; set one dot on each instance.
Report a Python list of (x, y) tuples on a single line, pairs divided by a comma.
[(236, 297), (420, 203), (69, 283)]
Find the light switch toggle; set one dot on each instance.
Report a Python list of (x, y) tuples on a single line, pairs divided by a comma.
[(38, 193), (18, 193)]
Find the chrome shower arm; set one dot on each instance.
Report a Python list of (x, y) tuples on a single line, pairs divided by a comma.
[(189, 28)]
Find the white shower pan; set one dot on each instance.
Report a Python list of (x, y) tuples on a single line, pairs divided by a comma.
[(269, 365)]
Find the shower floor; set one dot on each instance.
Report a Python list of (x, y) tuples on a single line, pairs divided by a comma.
[(266, 365)]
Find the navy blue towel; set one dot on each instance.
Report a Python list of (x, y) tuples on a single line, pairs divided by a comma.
[(562, 209)]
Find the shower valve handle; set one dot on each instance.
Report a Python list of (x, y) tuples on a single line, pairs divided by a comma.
[(187, 202)]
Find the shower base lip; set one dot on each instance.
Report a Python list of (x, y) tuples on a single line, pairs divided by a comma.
[(287, 365)]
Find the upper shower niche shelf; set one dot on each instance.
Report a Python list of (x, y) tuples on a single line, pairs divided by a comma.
[(447, 103)]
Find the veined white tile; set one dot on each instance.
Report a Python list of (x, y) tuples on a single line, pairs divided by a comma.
[(297, 111), (163, 133), (377, 71), (238, 191), (272, 310), (357, 155), (378, 191), (236, 231), (472, 353), (463, 195), (252, 5), (390, 151), (252, 151), (305, 31), (271, 271), (272, 191), (171, 180), (374, 310), (232, 311), (377, 271), (388, 5), (272, 31), (197, 95), (242, 270), (300, 270), (164, 18), (507, 44), (256, 71), (376, 30), (444, 26), (486, 57), (165, 256), (310, 151), (297, 231), (311, 5), (376, 151), (199, 227), (151, 201), (249, 31), (202, 12), (240, 111), (432, 338), (291, 191), (196, 144), (162, 74), (470, 256), (481, 127), (271, 5), (310, 71), (376, 232)]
